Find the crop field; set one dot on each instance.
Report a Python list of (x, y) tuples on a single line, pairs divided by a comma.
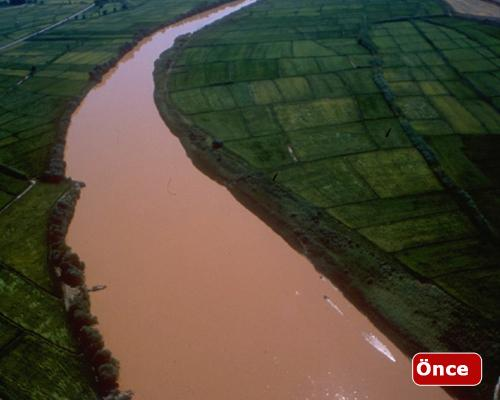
[(16, 22), (377, 112), (31, 362), (23, 233), (40, 79)]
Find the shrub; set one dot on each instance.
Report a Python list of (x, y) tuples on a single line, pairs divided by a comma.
[(102, 356), (89, 335), (72, 276), (117, 395), (107, 376), (81, 318), (91, 340)]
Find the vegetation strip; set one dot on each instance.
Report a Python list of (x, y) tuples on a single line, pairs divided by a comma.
[(70, 271)]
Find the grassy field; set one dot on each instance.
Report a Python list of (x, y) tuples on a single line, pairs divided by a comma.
[(378, 114), (41, 79), (17, 22)]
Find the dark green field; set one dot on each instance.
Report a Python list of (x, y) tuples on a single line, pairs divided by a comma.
[(41, 81), (382, 117)]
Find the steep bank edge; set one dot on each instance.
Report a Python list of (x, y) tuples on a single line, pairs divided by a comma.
[(373, 281)]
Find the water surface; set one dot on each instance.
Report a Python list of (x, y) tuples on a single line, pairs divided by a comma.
[(205, 301)]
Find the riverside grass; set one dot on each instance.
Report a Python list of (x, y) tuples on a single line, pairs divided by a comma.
[(370, 114), (41, 81)]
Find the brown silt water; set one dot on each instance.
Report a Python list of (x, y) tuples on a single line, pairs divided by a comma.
[(203, 299)]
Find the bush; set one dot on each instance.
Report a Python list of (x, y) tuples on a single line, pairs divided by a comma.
[(366, 41), (91, 341), (80, 318), (102, 356), (107, 376), (89, 336), (117, 395), (71, 258), (80, 302), (72, 276)]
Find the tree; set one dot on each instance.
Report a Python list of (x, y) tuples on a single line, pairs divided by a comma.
[(89, 335), (102, 356), (80, 302), (91, 341), (107, 375), (117, 395), (72, 276), (81, 318), (71, 258)]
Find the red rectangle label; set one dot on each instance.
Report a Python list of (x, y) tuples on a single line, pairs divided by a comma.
[(447, 369)]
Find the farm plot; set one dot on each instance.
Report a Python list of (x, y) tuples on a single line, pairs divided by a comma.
[(23, 239), (34, 358), (44, 315)]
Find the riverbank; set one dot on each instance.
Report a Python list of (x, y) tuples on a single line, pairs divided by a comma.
[(428, 319), (34, 117)]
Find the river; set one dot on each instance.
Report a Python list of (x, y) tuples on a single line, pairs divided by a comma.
[(204, 300)]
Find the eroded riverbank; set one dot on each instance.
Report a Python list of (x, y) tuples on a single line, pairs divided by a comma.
[(203, 299)]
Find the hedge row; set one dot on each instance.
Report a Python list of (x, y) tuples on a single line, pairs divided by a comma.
[(70, 271)]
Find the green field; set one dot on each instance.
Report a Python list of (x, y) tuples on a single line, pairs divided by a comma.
[(41, 79), (383, 115)]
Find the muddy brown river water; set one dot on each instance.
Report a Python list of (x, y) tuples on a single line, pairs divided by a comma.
[(204, 300)]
